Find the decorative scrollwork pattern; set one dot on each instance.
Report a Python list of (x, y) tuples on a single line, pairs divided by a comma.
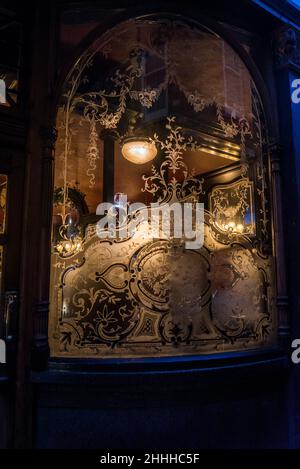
[(145, 295)]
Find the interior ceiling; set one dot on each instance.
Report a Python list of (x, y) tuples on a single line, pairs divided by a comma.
[(204, 162)]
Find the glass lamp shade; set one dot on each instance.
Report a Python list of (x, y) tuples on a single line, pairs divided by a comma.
[(139, 151)]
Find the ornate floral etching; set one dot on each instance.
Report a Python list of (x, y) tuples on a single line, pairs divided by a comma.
[(181, 184), (146, 296), (127, 87), (232, 207), (92, 152), (199, 299), (142, 296)]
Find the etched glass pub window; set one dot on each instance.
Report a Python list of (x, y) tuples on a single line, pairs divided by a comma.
[(158, 111)]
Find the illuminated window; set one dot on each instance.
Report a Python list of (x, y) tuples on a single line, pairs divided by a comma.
[(184, 91)]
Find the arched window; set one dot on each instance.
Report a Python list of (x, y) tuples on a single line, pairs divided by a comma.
[(163, 112)]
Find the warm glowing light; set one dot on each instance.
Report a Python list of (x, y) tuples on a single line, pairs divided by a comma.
[(139, 151), (59, 247), (67, 247), (232, 227)]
